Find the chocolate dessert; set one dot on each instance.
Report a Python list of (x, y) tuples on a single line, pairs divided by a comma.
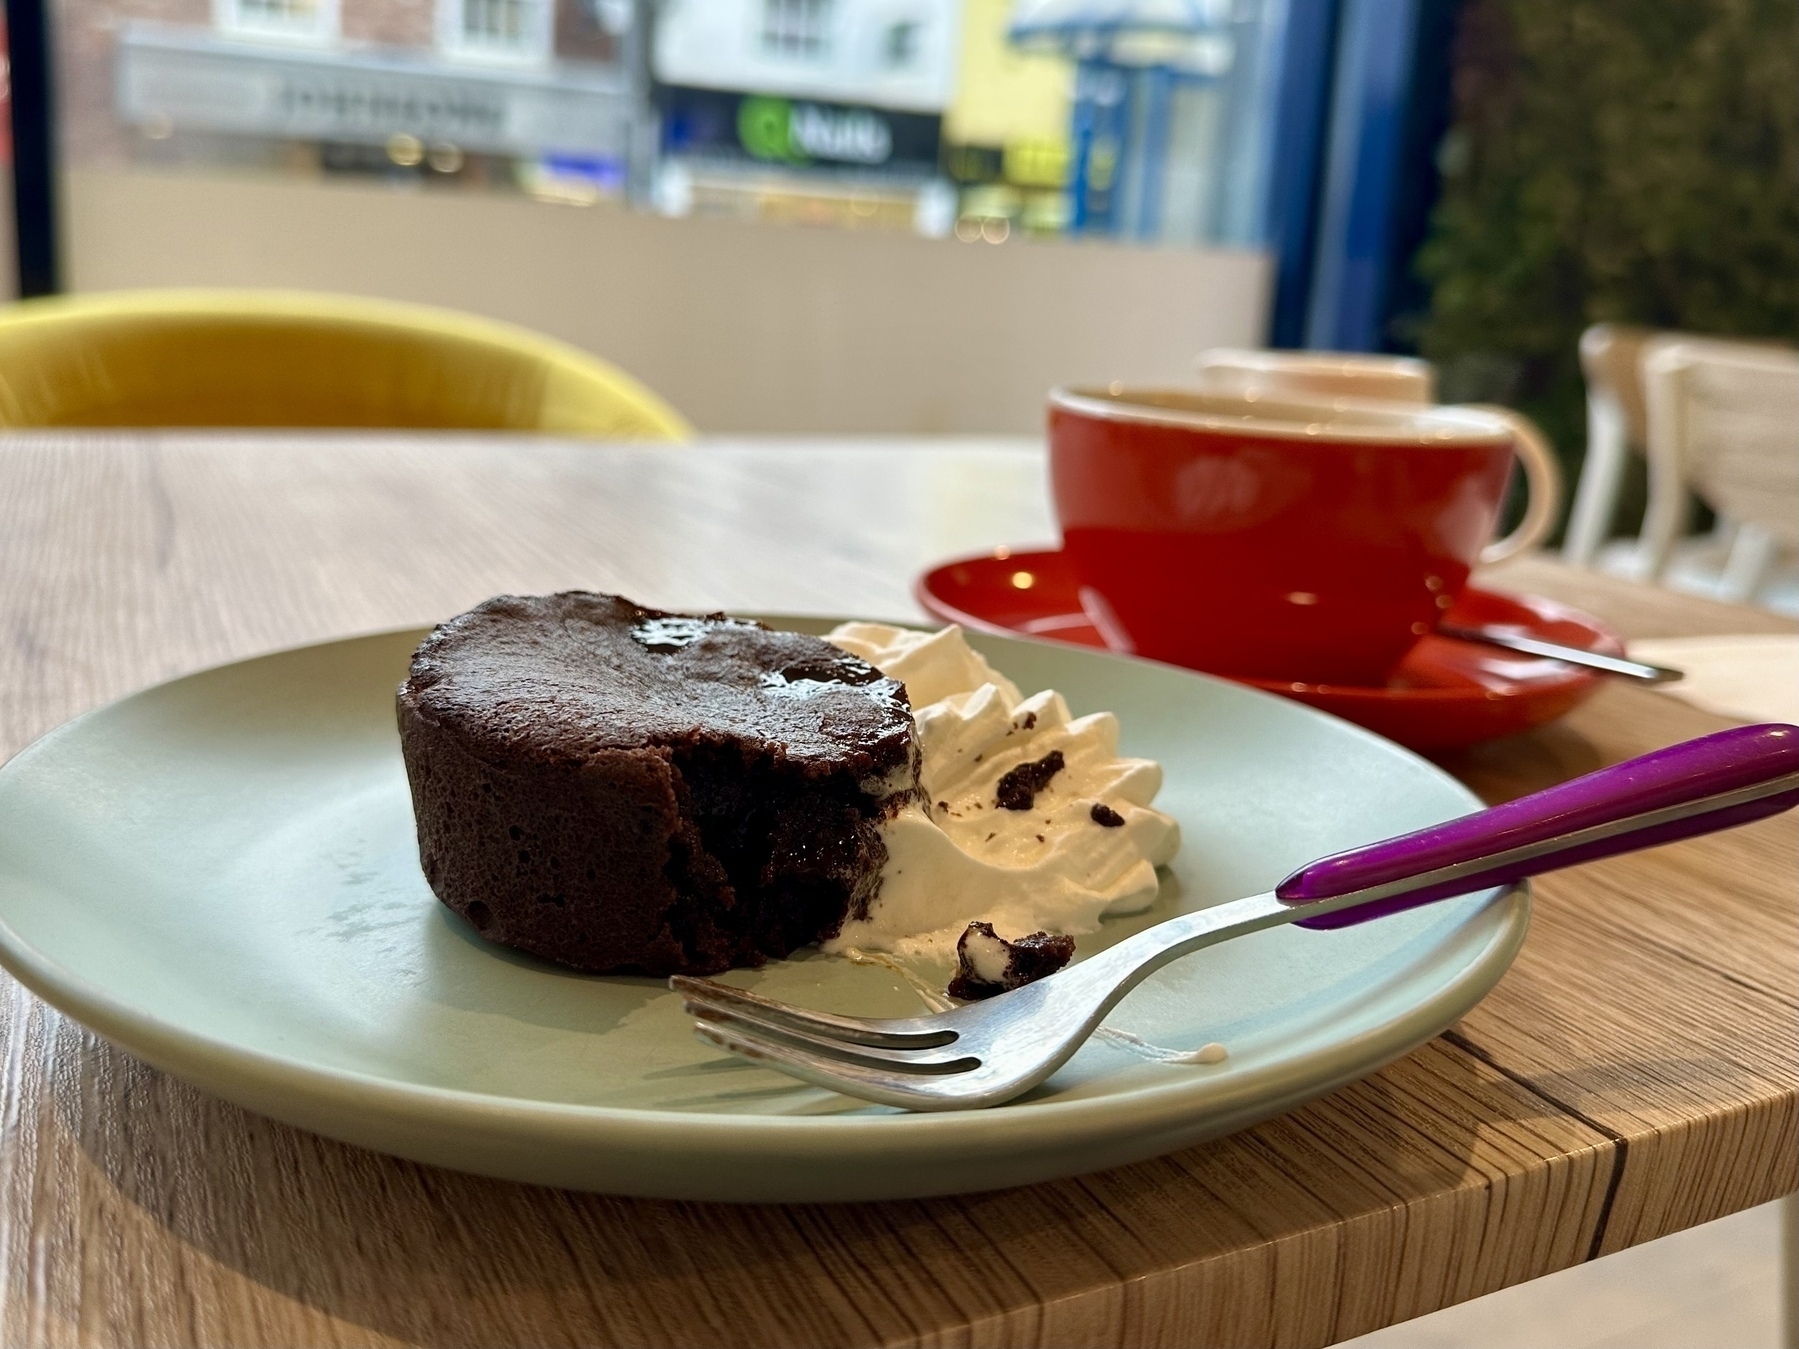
[(987, 964), (1018, 789), (622, 789)]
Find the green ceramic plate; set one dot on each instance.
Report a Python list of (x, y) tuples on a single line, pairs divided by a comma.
[(219, 875)]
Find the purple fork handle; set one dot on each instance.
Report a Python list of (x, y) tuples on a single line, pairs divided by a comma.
[(1688, 789)]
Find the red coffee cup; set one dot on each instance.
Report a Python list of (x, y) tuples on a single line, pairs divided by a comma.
[(1282, 540)]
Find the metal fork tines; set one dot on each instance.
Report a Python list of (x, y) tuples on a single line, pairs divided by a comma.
[(722, 1002), (838, 1052), (970, 1056)]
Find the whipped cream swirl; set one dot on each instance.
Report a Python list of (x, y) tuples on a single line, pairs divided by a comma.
[(1084, 844)]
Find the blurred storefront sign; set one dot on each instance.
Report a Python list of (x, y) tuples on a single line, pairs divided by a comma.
[(817, 111), (796, 132), (189, 79)]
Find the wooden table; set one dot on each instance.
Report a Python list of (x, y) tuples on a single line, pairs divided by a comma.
[(1632, 1075)]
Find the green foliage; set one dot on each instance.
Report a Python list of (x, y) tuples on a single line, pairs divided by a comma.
[(1626, 160)]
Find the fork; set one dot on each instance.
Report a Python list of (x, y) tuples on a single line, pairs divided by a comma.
[(984, 1053)]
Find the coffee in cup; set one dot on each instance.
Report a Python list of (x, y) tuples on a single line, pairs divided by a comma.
[(1249, 535)]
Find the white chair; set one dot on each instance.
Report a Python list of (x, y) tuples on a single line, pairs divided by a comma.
[(1723, 422), (1611, 359)]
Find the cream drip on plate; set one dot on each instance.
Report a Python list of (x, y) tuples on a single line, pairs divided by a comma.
[(1085, 844)]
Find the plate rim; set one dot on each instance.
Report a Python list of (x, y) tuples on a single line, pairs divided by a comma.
[(181, 1050)]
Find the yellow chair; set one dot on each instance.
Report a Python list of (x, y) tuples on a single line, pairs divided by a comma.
[(278, 358)]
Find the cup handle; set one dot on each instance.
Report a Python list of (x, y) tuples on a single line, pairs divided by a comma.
[(1543, 478)]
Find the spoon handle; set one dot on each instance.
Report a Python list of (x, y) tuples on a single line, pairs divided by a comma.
[(1702, 785), (1572, 655)]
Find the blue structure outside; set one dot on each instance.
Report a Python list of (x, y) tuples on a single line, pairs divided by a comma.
[(1305, 54), (1407, 296), (1157, 87), (1101, 142), (1344, 175), (1119, 133), (1121, 121), (1371, 98)]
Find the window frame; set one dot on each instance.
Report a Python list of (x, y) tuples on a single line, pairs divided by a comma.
[(799, 31), (230, 20), (454, 42)]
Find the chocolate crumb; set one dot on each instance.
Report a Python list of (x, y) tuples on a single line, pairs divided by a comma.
[(1040, 838), (1018, 789), (1027, 960), (1030, 721), (1105, 816), (943, 806)]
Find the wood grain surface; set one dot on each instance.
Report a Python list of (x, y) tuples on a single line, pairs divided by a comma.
[(1634, 1073)]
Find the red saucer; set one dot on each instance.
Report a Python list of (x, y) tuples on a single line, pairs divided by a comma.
[(1446, 693)]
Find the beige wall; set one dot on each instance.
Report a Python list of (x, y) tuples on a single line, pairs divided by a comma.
[(743, 327)]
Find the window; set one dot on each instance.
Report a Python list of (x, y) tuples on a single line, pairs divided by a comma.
[(508, 31), (295, 20), (797, 29), (899, 45)]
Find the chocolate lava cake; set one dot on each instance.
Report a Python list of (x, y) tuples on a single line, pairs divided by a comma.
[(621, 789)]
